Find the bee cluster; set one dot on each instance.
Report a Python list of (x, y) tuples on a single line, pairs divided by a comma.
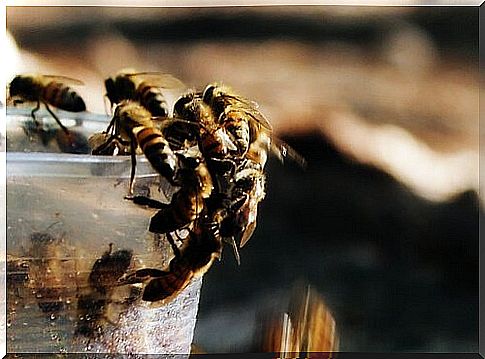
[(211, 146)]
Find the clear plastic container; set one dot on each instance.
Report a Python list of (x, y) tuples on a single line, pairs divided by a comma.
[(64, 212)]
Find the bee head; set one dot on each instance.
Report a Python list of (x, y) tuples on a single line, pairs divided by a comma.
[(21, 85), (179, 108), (111, 92), (121, 88), (185, 106), (208, 94), (187, 163), (214, 95)]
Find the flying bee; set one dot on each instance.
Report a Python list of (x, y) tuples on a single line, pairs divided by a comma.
[(49, 90), (187, 203), (144, 87), (132, 126), (199, 250), (305, 330), (94, 306)]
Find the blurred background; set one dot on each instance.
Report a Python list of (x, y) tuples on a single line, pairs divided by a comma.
[(382, 102)]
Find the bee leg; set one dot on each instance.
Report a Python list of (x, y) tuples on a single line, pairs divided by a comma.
[(104, 146), (64, 128), (32, 114), (239, 202), (163, 221), (149, 272), (140, 276), (175, 249), (156, 290), (231, 241), (145, 201), (133, 166)]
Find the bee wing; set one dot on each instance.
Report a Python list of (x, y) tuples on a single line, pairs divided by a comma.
[(277, 335), (159, 79), (283, 151), (253, 113), (232, 243), (248, 232), (64, 79), (307, 327), (313, 322)]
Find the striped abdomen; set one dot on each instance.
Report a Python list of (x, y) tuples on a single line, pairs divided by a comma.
[(63, 97), (184, 208), (152, 99), (157, 151), (169, 284), (204, 245), (182, 270)]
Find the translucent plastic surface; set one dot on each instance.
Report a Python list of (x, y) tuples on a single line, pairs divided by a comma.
[(65, 212)]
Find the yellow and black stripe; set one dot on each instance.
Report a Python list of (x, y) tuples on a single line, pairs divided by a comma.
[(63, 97), (157, 150), (152, 99)]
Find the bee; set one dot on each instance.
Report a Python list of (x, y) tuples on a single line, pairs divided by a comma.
[(187, 203), (49, 90), (212, 140), (132, 126), (51, 271), (144, 87), (214, 143), (183, 131), (249, 129), (93, 306), (305, 330), (220, 97), (240, 217), (199, 250)]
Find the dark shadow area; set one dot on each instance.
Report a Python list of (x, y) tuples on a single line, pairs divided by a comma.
[(400, 272)]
